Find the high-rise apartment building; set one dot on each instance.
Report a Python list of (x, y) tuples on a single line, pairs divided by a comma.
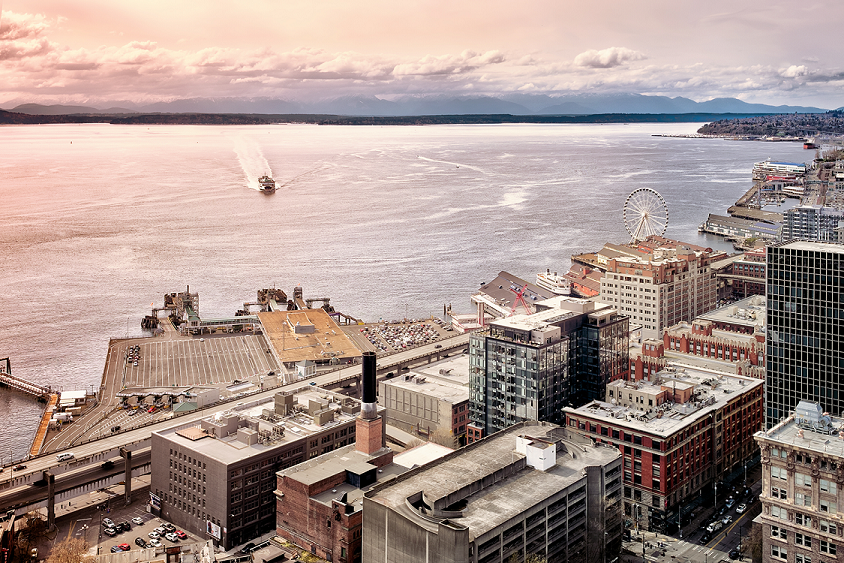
[(673, 283), (813, 222), (805, 340), (528, 367)]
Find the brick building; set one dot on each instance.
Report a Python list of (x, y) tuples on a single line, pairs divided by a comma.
[(742, 276), (318, 502), (734, 334), (802, 483), (678, 433)]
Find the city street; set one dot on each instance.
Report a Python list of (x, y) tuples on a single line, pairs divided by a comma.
[(650, 546)]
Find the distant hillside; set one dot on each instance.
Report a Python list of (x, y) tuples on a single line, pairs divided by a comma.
[(511, 104), (321, 119), (13, 118), (789, 125), (38, 109)]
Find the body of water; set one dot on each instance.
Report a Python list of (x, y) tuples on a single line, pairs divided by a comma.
[(100, 221)]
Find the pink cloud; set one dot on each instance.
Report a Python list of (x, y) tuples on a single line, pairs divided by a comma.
[(607, 58)]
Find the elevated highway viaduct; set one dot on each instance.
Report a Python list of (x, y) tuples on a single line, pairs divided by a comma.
[(128, 452)]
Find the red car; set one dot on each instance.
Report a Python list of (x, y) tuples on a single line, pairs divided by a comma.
[(151, 410), (181, 534), (124, 546)]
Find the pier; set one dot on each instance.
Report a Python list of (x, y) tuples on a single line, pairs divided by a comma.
[(8, 380)]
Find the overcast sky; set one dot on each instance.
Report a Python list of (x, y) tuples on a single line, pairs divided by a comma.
[(95, 51)]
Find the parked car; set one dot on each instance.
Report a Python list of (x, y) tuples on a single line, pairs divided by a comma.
[(125, 526), (706, 537), (735, 553), (110, 532), (741, 508), (727, 519), (20, 467), (181, 534), (154, 543), (138, 520), (124, 547), (168, 527), (140, 542), (172, 537), (154, 535), (107, 522), (115, 549), (730, 502), (161, 530)]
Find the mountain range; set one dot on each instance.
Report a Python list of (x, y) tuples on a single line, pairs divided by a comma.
[(513, 104)]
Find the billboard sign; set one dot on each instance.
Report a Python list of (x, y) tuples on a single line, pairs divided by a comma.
[(213, 530)]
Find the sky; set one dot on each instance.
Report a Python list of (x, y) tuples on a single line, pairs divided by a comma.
[(102, 51)]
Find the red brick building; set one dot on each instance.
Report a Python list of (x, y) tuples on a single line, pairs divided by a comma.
[(733, 334), (678, 434), (743, 277), (316, 506)]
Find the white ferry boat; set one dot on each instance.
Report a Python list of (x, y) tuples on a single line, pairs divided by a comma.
[(267, 184), (554, 283)]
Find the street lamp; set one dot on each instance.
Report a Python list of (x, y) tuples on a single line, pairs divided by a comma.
[(716, 494), (680, 518)]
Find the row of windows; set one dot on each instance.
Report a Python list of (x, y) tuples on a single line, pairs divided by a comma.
[(176, 454)]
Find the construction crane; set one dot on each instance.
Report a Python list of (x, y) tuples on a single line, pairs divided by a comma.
[(520, 292)]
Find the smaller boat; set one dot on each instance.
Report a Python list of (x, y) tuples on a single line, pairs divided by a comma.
[(267, 184), (554, 283)]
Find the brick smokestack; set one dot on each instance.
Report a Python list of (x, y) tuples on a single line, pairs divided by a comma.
[(368, 426)]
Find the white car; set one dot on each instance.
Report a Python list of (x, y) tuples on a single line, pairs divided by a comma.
[(154, 535), (137, 520), (154, 543), (172, 537), (741, 508)]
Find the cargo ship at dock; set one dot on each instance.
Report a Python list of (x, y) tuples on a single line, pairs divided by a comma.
[(267, 184)]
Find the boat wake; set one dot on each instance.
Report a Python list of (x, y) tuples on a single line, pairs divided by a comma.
[(252, 161)]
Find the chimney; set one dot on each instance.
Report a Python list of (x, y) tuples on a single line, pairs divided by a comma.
[(368, 427)]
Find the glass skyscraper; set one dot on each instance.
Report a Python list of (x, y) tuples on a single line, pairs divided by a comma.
[(805, 355)]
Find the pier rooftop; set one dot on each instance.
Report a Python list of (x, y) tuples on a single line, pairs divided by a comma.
[(309, 334)]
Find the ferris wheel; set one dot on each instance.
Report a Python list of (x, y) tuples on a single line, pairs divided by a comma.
[(645, 214)]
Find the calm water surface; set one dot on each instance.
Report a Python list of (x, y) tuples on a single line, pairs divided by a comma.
[(100, 221)]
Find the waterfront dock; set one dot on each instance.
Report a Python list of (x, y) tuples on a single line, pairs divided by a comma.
[(42, 393), (43, 426), (188, 364)]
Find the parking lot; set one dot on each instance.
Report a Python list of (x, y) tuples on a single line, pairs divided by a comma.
[(142, 530), (195, 361)]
